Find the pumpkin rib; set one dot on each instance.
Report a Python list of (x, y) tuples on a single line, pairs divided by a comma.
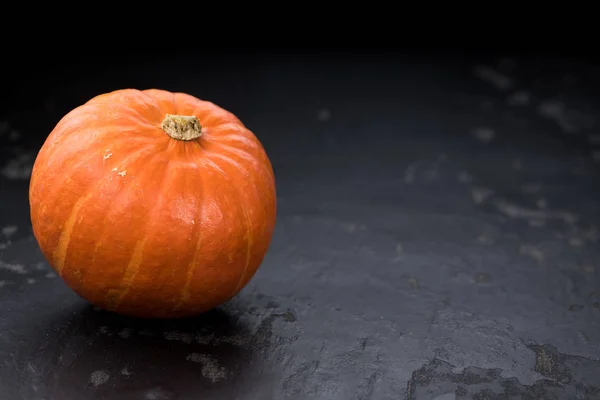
[(104, 232), (61, 251), (246, 156), (248, 223), (192, 266), (52, 191), (132, 268)]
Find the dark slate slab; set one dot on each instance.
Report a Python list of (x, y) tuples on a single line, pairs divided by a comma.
[(437, 238)]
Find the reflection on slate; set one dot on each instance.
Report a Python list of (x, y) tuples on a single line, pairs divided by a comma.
[(437, 238)]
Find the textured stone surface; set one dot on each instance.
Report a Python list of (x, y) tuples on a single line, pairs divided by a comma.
[(437, 239)]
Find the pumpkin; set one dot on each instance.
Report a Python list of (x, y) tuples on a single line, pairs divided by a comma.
[(153, 204)]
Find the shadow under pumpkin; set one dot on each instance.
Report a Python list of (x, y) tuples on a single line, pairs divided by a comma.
[(96, 354)]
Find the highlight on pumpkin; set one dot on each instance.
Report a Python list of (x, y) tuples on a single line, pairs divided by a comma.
[(181, 232)]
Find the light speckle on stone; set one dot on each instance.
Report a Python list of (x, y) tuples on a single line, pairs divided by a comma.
[(531, 187), (99, 378), (50, 275), (596, 155), (480, 194), (204, 338), (14, 135), (323, 115), (464, 177), (40, 266), (125, 371), (210, 367), (537, 222), (125, 333), (515, 211), (588, 268), (18, 168), (533, 252), (555, 110), (2, 283), (482, 134), (517, 165), (576, 242), (445, 396), (31, 281), (409, 174), (16, 268), (104, 329), (490, 75), (519, 98), (179, 336), (542, 204), (483, 239), (9, 230)]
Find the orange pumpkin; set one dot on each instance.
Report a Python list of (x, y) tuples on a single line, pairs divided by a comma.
[(153, 204)]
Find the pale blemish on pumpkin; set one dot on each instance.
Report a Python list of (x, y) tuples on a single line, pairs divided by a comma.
[(107, 155), (98, 378), (60, 253), (122, 173), (210, 367)]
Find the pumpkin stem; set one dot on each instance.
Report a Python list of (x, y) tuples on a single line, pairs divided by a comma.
[(182, 127)]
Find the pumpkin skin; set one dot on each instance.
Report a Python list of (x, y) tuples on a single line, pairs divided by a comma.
[(147, 223)]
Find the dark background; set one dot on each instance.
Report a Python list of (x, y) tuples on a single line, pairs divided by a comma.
[(437, 231)]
